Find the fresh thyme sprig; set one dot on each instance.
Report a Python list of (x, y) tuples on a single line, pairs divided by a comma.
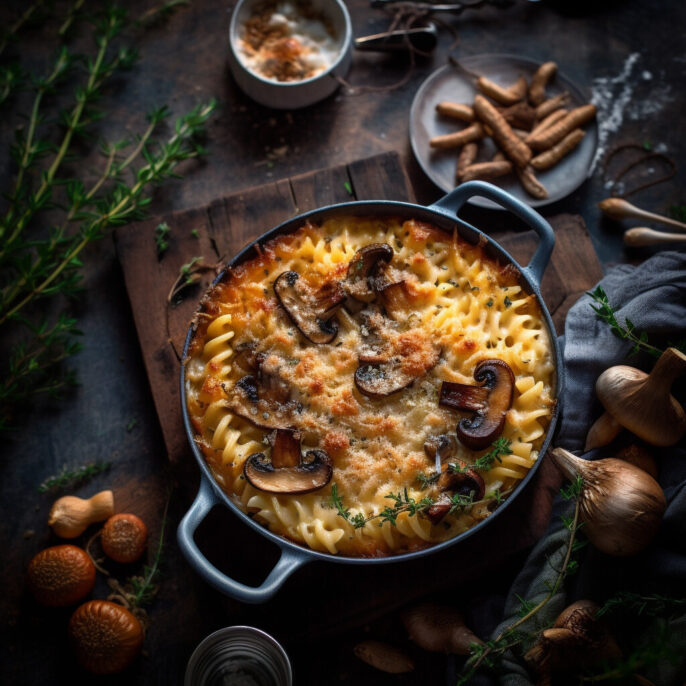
[(643, 605), (513, 635), (145, 586), (628, 331), (403, 502), (39, 262), (73, 477), (487, 461)]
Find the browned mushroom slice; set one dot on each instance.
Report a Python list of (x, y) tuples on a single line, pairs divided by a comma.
[(440, 447), (489, 402), (245, 400), (464, 482), (311, 312), (364, 271), (467, 483), (410, 356), (246, 357), (378, 381), (288, 472), (396, 300), (286, 448)]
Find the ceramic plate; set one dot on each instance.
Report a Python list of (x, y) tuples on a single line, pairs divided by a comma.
[(451, 84)]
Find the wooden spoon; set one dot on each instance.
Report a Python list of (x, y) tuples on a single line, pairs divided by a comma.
[(617, 208), (641, 235)]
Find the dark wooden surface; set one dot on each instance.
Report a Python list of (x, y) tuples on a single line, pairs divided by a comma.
[(112, 416)]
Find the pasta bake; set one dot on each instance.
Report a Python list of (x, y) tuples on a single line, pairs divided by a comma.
[(369, 386)]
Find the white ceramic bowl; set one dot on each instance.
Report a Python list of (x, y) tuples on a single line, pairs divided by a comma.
[(289, 95)]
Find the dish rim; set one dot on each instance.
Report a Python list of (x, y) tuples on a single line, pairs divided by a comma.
[(405, 210)]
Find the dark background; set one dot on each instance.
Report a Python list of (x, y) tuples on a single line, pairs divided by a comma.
[(110, 416)]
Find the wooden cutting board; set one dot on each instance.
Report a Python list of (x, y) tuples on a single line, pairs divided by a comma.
[(216, 232)]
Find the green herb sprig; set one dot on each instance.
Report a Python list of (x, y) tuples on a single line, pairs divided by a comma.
[(71, 478), (627, 331), (501, 447), (402, 502), (513, 636), (41, 255)]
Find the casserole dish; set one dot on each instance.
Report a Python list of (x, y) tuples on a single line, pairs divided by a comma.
[(442, 215)]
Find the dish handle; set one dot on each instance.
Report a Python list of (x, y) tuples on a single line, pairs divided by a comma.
[(452, 203), (288, 562)]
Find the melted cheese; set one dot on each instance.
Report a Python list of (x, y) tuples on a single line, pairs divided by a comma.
[(458, 308)]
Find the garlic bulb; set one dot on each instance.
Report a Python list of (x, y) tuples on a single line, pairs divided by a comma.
[(620, 504)]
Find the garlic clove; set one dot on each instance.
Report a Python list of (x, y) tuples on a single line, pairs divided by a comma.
[(603, 431), (70, 516), (621, 505), (642, 403)]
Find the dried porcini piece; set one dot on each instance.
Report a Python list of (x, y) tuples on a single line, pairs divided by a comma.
[(365, 271), (310, 310), (489, 403), (288, 471)]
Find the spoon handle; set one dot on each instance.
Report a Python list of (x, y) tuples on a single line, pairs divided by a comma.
[(643, 214), (644, 236)]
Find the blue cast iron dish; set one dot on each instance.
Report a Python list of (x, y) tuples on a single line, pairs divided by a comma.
[(442, 214)]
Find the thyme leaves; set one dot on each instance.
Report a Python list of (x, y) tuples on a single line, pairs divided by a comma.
[(41, 265)]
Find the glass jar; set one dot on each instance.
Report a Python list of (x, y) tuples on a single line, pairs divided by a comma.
[(239, 656)]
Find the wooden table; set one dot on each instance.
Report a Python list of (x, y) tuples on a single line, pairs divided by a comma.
[(111, 415)]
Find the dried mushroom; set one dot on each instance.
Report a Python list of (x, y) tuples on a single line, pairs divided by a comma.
[(489, 403), (365, 275), (311, 311), (288, 472)]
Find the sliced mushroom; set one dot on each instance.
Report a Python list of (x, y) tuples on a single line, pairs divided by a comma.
[(246, 357), (266, 407), (365, 276), (440, 447), (489, 402), (396, 300), (248, 384), (380, 380), (311, 312), (391, 361), (273, 387), (288, 472), (465, 482)]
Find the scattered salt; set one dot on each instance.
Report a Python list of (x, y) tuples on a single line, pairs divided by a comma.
[(611, 95)]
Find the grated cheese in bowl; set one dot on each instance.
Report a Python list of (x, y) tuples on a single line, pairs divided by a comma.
[(287, 41)]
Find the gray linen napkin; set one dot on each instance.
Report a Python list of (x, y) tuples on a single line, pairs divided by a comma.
[(653, 297)]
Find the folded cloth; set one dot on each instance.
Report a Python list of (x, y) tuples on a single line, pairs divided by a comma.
[(653, 297)]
